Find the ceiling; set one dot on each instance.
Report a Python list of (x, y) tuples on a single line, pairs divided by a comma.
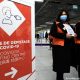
[(48, 10)]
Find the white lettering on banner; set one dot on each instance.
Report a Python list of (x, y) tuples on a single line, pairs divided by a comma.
[(9, 47), (11, 56), (13, 44), (20, 42)]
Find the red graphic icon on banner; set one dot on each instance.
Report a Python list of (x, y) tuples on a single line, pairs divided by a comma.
[(15, 40)]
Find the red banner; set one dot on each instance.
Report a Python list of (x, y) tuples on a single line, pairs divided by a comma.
[(15, 41)]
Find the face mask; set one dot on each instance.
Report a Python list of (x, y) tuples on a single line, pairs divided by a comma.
[(63, 17)]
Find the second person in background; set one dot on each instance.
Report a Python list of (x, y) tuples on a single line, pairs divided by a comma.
[(62, 36), (77, 42)]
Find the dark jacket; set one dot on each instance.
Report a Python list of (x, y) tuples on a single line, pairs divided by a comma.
[(54, 33), (78, 30), (61, 54), (77, 56)]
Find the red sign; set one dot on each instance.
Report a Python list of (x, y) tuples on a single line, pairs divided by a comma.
[(15, 41), (1, 0)]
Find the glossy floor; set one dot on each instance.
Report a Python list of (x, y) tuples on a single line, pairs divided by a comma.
[(44, 65)]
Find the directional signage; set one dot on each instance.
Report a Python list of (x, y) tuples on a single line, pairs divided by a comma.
[(17, 54), (12, 73)]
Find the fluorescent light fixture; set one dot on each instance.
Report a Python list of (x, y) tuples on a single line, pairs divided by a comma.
[(75, 6), (49, 23), (43, 25), (38, 27)]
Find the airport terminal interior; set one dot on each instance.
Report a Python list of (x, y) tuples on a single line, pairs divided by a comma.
[(45, 13)]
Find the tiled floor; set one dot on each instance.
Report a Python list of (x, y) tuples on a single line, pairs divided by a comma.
[(44, 65)]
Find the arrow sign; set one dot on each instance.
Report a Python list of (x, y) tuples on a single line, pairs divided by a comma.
[(13, 72)]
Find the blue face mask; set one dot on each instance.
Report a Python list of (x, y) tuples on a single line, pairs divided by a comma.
[(63, 17)]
